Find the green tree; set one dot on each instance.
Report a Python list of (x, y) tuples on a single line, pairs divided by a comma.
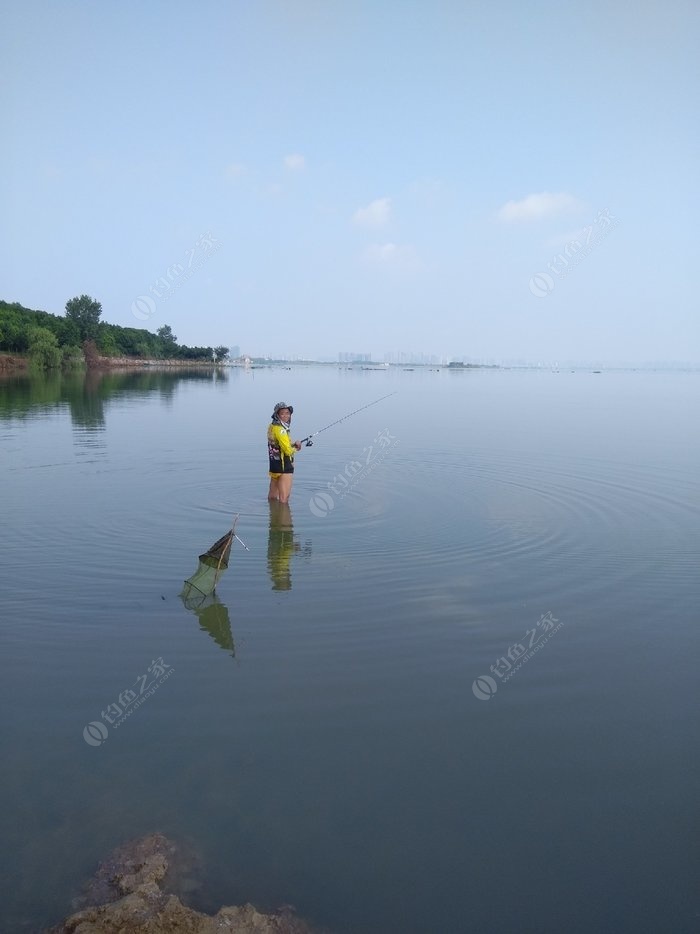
[(107, 340), (15, 330), (166, 334), (167, 342), (71, 356), (221, 353), (66, 331), (44, 351), (85, 312)]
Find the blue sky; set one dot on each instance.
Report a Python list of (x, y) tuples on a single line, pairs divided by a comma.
[(309, 177)]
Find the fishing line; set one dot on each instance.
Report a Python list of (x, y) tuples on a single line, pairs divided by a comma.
[(308, 442)]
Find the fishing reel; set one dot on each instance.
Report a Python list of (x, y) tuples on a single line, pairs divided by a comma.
[(309, 443)]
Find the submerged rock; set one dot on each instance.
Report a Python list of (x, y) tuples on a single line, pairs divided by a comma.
[(127, 896)]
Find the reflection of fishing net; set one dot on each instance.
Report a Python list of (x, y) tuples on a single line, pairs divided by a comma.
[(213, 617), (211, 565)]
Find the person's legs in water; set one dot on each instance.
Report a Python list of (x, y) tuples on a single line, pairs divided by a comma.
[(284, 487), (274, 491)]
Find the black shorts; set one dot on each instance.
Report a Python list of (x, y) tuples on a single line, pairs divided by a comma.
[(277, 467)]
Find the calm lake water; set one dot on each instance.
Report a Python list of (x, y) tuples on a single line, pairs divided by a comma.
[(455, 691)]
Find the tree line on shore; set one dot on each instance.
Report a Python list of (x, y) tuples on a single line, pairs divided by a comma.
[(51, 341)]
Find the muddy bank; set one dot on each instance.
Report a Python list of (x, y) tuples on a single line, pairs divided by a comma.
[(10, 364), (133, 892), (95, 361), (113, 363)]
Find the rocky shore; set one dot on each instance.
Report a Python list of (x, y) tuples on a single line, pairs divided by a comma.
[(132, 893)]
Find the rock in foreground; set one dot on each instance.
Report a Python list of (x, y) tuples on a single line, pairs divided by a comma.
[(131, 901)]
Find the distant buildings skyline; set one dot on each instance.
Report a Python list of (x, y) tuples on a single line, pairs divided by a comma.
[(413, 358), (345, 356)]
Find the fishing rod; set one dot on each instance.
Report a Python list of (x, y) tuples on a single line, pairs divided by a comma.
[(308, 442)]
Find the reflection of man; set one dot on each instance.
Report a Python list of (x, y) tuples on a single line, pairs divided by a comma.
[(280, 545)]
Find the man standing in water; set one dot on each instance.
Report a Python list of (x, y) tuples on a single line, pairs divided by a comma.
[(281, 450)]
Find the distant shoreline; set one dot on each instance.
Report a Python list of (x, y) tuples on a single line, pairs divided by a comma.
[(17, 363)]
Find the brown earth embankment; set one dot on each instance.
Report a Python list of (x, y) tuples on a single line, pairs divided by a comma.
[(121, 362), (12, 363), (9, 363)]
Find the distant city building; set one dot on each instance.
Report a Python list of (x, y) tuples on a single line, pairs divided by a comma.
[(234, 352), (345, 356), (401, 357)]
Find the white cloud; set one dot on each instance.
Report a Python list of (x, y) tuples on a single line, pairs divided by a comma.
[(382, 252), (295, 162), (376, 214), (536, 207)]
